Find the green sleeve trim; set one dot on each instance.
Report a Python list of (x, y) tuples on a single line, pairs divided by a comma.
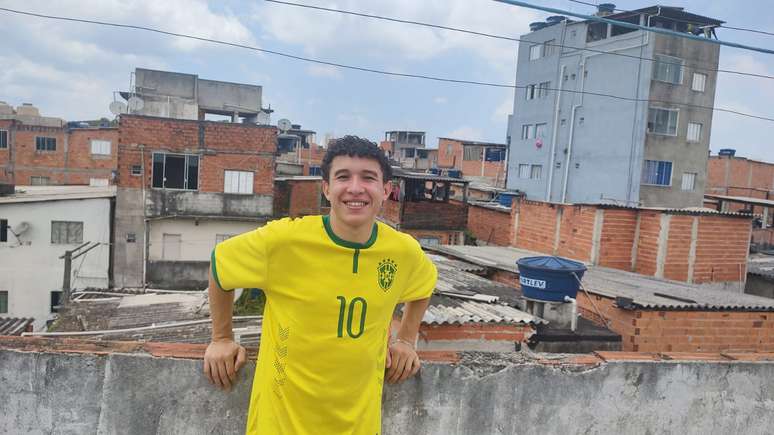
[(215, 270)]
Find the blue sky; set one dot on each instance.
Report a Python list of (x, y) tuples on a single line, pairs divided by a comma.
[(70, 70)]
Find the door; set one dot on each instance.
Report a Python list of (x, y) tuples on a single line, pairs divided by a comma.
[(170, 249)]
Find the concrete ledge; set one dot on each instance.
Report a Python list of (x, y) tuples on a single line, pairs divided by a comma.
[(78, 386)]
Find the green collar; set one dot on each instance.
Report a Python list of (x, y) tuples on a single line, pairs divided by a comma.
[(347, 244)]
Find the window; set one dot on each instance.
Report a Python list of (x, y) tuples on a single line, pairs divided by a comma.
[(657, 173), (472, 153), (3, 230), (535, 172), (668, 69), (238, 182), (3, 138), (527, 131), (408, 153), (170, 246), (530, 92), (56, 297), (39, 181), (45, 143), (315, 170), (494, 155), (540, 130), (548, 47), (66, 233), (175, 171), (699, 80), (3, 302), (429, 241), (543, 88), (448, 150), (689, 181), (662, 121), (101, 147), (534, 51), (524, 171), (694, 132), (221, 237), (136, 170)]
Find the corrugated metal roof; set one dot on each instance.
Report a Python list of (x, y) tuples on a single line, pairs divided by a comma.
[(14, 325), (446, 310), (742, 199), (761, 266), (456, 264), (645, 291), (57, 193)]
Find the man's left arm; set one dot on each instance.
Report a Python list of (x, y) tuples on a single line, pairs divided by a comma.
[(402, 359)]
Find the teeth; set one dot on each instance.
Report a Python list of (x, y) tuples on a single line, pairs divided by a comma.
[(356, 203)]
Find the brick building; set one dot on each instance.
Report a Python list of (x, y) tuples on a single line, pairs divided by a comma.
[(408, 149), (184, 185), (297, 196), (700, 247), (39, 150), (420, 205), (484, 162)]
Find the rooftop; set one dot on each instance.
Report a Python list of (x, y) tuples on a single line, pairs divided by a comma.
[(57, 193), (466, 142)]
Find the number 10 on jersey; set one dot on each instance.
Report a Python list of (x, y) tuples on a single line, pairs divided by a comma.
[(355, 305)]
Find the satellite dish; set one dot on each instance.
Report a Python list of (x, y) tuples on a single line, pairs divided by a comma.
[(136, 104), (117, 108), (20, 228), (284, 124)]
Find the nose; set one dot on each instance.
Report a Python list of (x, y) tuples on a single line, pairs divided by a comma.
[(355, 185)]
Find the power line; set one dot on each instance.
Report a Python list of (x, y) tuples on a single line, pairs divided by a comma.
[(375, 71), (723, 26), (635, 26), (509, 38)]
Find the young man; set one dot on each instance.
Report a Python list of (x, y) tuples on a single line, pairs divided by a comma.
[(331, 284)]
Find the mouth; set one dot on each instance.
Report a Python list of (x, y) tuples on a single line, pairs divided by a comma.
[(356, 205)]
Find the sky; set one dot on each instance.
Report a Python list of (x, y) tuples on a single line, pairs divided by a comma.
[(72, 70)]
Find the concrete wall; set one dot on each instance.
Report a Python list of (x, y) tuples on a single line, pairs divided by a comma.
[(197, 237), (685, 156), (481, 393), (30, 271), (178, 275)]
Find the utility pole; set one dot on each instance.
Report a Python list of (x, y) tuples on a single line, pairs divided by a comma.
[(69, 256)]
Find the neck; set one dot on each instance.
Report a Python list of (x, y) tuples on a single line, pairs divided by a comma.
[(359, 234)]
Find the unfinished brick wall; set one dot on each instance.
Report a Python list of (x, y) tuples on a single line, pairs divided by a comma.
[(677, 263), (576, 232), (390, 211), (683, 331), (220, 146), (435, 215), (476, 331), (617, 239), (490, 225), (647, 242), (721, 249), (536, 226), (449, 153)]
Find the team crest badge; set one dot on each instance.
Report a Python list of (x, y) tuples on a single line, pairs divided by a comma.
[(386, 273)]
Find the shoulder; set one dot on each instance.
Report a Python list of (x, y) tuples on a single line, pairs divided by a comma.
[(399, 239), (288, 227)]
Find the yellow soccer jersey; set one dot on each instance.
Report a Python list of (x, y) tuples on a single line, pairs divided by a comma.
[(329, 303)]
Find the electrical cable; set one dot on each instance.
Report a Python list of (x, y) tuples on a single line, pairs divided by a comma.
[(507, 38), (373, 70)]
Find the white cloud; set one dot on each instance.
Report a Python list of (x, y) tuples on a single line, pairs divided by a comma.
[(317, 70), (465, 132)]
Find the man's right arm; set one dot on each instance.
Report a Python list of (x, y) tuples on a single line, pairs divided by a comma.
[(223, 357)]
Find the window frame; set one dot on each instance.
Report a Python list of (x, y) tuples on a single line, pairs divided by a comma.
[(530, 92), (677, 121), (693, 181), (532, 172), (40, 178), (4, 301), (135, 174), (544, 126), (472, 153), (688, 132), (4, 139), (530, 131), (543, 89), (67, 233), (186, 175), (667, 64), (45, 144), (524, 171), (101, 142), (4, 229), (239, 181), (658, 162), (703, 82), (535, 51)]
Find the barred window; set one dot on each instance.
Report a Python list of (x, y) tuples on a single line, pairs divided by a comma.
[(66, 232)]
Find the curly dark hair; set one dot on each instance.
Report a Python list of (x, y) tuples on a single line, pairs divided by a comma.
[(354, 146)]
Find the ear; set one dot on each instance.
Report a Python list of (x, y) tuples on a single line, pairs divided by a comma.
[(326, 189), (387, 190)]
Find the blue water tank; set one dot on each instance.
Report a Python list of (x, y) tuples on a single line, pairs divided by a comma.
[(455, 173), (727, 152), (505, 198), (549, 278)]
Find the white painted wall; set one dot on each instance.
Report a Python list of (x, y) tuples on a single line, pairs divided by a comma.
[(31, 270), (196, 240)]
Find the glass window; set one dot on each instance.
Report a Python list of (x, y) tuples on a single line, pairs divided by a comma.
[(535, 172), (527, 131), (699, 81), (3, 302), (662, 121), (45, 143), (656, 172), (408, 152), (429, 241), (548, 47), (101, 147), (689, 181), (694, 132), (238, 182), (56, 297), (472, 153), (540, 130), (668, 69), (176, 171), (315, 170), (66, 232), (3, 139), (543, 88), (136, 169), (39, 181), (530, 92), (3, 230), (524, 171), (534, 51)]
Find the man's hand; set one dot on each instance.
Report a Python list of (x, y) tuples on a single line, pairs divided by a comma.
[(222, 361), (402, 362)]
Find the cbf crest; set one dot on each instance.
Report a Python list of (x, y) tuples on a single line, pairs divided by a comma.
[(386, 273)]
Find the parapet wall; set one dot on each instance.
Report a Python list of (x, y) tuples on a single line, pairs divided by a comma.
[(134, 388)]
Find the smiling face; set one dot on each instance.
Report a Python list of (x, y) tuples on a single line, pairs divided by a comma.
[(356, 190)]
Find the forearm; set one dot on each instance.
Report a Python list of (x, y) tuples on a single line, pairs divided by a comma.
[(221, 306), (413, 312)]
